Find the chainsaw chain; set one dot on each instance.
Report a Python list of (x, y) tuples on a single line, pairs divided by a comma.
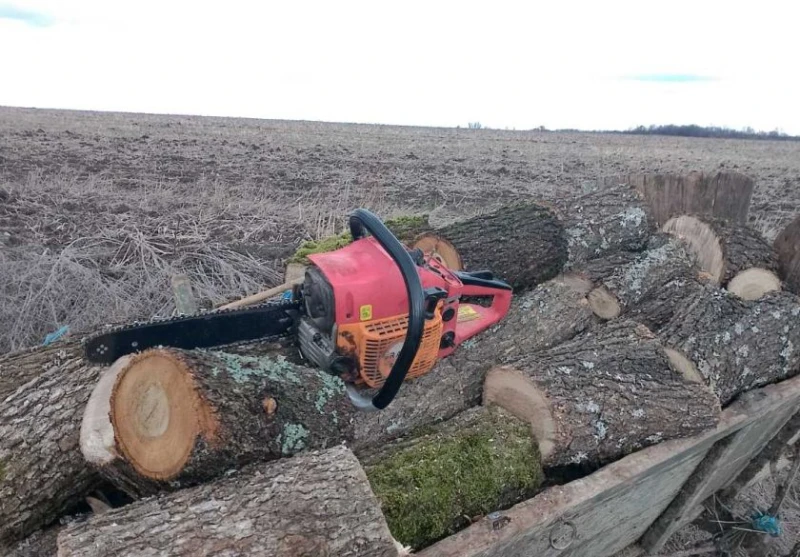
[(279, 305)]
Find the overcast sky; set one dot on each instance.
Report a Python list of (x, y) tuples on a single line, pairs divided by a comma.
[(588, 65)]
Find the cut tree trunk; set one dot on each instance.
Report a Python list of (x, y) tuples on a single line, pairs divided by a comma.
[(430, 486), (523, 244), (17, 368), (609, 220), (551, 313), (642, 278), (316, 504), (735, 256), (787, 246), (42, 471), (722, 195), (174, 418), (597, 270), (656, 310), (169, 418), (736, 345), (604, 394)]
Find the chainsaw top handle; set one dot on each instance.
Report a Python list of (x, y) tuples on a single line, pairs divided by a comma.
[(359, 220)]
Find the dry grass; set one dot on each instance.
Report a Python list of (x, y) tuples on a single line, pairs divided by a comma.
[(98, 210)]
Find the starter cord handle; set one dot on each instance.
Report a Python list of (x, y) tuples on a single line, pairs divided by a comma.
[(359, 220)]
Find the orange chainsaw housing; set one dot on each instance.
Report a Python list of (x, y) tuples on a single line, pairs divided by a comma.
[(371, 308)]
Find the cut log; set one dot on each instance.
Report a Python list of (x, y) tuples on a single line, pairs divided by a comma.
[(433, 244), (17, 368), (787, 246), (551, 313), (655, 311), (609, 220), (737, 345), (523, 244), (597, 270), (735, 256), (316, 504), (642, 278), (182, 417), (42, 471), (174, 418), (722, 195), (430, 486), (604, 394)]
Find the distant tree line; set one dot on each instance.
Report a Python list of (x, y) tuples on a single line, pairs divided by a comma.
[(693, 130)]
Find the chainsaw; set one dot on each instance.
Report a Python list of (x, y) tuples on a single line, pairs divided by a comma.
[(374, 312)]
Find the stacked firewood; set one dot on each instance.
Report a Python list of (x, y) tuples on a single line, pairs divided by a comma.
[(629, 326)]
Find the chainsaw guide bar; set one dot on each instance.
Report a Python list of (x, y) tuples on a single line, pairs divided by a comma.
[(213, 329)]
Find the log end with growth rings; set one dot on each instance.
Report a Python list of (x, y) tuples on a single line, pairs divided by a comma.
[(157, 414), (703, 243), (441, 249), (512, 391), (603, 303), (683, 365), (753, 283)]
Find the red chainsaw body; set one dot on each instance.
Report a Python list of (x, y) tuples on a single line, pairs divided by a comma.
[(368, 287)]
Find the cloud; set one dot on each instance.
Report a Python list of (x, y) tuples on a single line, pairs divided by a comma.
[(30, 17), (670, 78)]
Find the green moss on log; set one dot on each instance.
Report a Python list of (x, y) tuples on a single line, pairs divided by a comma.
[(324, 245), (405, 229), (430, 486)]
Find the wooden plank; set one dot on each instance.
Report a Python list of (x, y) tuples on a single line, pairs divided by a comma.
[(608, 510), (722, 465)]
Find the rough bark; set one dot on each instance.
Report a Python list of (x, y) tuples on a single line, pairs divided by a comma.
[(787, 246), (316, 504), (655, 311), (597, 270), (724, 195), (17, 368), (42, 471), (727, 251), (604, 394), (737, 345), (553, 312), (609, 220), (523, 244), (431, 485), (642, 278), (41, 543)]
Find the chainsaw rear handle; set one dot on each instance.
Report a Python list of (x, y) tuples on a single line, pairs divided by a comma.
[(359, 220)]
